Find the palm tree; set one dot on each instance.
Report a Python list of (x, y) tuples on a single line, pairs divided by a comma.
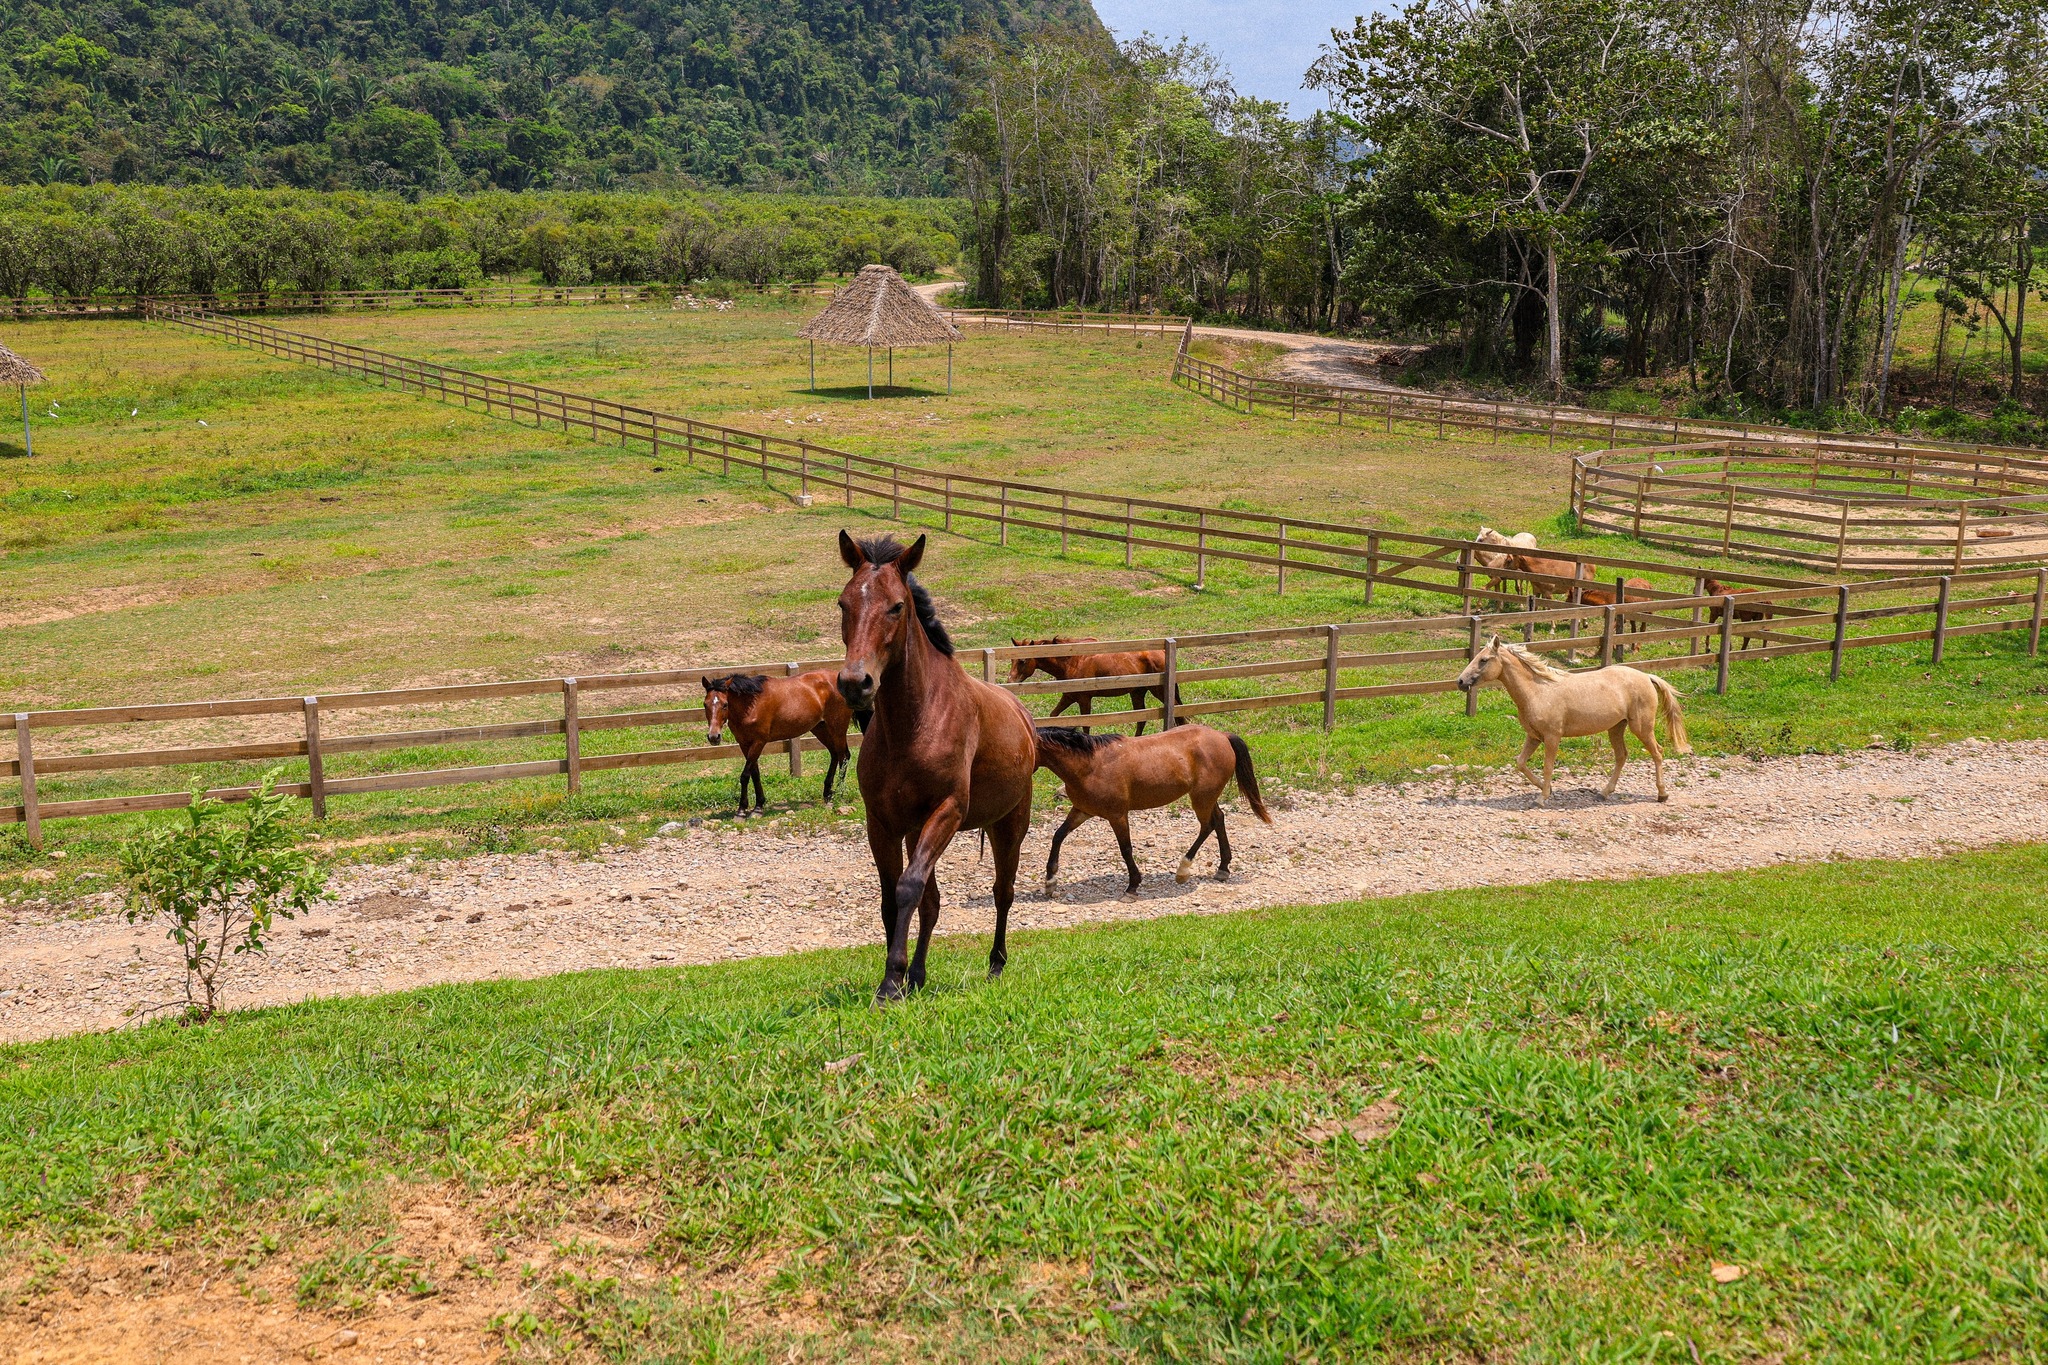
[(362, 90), (56, 170)]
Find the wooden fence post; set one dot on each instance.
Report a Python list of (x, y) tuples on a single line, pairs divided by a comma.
[(1642, 491), (1201, 549), (2040, 596), (949, 502), (796, 746), (1063, 523), (1372, 563), (1170, 682), (1330, 681), (895, 491), (1607, 634), (572, 737), (1841, 631), (1471, 653), (1962, 530), (846, 476), (1282, 589), (988, 665), (1941, 618), (1728, 520), (1842, 536), (1727, 633), (1127, 533), (25, 751), (1003, 517), (1465, 579), (316, 765)]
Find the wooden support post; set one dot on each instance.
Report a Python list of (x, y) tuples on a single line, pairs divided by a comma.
[(1465, 579), (1063, 523), (1471, 653), (1127, 533), (1842, 536), (1607, 634), (846, 476), (895, 491), (949, 502), (1941, 618), (316, 766), (1330, 680), (1962, 532), (572, 737), (1727, 634), (1201, 549), (1841, 632), (1642, 491), (988, 665), (1728, 521), (25, 752), (1170, 681), (1282, 589), (2040, 597), (1372, 563), (1003, 516), (796, 745)]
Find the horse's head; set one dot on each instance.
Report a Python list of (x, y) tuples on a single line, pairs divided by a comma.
[(725, 698), (876, 611), (1488, 536), (1020, 669), (1484, 668)]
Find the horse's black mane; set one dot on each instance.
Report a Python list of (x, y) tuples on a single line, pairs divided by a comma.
[(1075, 740), (738, 685), (886, 549)]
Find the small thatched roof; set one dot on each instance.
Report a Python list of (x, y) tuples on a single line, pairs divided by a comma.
[(879, 309), (15, 370)]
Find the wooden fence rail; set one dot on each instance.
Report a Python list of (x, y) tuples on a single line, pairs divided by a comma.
[(1688, 623), (22, 308), (1436, 414), (1837, 506), (1199, 534)]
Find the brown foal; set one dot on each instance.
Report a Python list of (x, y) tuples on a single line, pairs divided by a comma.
[(1716, 588), (1074, 667), (1111, 776), (943, 752), (762, 710)]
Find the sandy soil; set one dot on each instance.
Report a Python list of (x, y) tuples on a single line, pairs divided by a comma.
[(719, 892)]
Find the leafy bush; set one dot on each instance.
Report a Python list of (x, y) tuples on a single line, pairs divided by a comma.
[(221, 883)]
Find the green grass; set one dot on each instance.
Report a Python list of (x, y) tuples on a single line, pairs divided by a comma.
[(1830, 1075)]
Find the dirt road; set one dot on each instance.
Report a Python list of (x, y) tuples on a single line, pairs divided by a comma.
[(717, 893)]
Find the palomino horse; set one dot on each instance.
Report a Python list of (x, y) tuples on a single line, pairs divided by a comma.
[(1111, 776), (1498, 559), (1554, 705), (943, 752), (1073, 667), (762, 710)]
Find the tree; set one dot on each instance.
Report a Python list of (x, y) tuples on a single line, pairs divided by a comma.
[(220, 884)]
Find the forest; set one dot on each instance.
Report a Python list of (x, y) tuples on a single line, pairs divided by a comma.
[(1560, 192), (76, 240), (823, 95)]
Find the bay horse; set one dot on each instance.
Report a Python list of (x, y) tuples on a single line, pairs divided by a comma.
[(762, 710), (1554, 704), (1111, 775), (1072, 667), (1716, 588), (943, 751)]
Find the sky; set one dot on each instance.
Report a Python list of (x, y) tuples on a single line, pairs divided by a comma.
[(1267, 44)]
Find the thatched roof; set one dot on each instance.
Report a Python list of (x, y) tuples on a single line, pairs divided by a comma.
[(879, 309), (15, 370)]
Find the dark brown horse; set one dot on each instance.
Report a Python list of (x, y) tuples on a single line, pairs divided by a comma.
[(1073, 667), (762, 710), (1111, 776), (943, 752)]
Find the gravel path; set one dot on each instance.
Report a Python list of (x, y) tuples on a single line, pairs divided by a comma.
[(718, 893)]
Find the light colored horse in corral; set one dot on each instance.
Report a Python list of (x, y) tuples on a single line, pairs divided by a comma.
[(1501, 559), (1554, 704)]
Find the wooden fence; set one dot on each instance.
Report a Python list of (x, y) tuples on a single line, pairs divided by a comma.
[(1068, 320), (1801, 620), (345, 300), (1836, 505), (1287, 546), (1438, 414)]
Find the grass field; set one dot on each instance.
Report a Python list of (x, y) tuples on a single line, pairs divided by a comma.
[(202, 521), (1571, 1101)]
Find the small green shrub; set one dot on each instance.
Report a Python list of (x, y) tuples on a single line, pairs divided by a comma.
[(220, 883)]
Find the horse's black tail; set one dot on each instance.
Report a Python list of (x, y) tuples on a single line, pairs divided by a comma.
[(1247, 780), (981, 849)]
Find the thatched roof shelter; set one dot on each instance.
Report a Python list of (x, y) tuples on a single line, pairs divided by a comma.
[(876, 308), (14, 370), (18, 372)]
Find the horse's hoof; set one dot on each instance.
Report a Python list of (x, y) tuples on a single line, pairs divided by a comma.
[(1129, 896), (1222, 874), (1663, 796), (1186, 870), (889, 992)]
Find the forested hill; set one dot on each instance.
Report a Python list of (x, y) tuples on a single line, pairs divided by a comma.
[(468, 94)]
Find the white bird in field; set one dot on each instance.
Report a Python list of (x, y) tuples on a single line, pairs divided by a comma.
[(133, 411), (202, 421)]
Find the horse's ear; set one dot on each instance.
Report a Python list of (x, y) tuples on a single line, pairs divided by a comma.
[(849, 550), (906, 563), (1495, 644)]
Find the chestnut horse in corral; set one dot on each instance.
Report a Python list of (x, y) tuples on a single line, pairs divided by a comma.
[(1110, 776), (1073, 667), (943, 751), (1716, 588), (1555, 704), (762, 710)]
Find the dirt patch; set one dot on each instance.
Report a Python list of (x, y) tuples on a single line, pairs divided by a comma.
[(717, 894)]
